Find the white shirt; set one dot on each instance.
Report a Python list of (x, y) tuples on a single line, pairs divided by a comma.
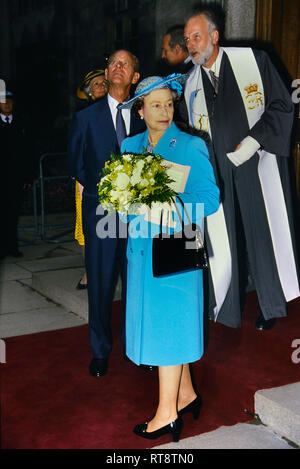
[(215, 66), (3, 117), (113, 103)]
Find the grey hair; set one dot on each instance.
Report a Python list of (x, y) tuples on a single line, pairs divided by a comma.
[(214, 14)]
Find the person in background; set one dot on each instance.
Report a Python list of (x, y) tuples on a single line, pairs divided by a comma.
[(95, 132), (17, 158), (164, 315), (93, 87), (174, 50)]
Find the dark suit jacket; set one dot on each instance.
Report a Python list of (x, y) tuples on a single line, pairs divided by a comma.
[(16, 153), (92, 138)]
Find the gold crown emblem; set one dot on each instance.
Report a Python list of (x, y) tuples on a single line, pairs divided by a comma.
[(251, 88)]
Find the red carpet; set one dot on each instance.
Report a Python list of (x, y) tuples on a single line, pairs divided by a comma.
[(50, 401)]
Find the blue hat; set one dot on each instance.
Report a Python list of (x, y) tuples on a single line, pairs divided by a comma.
[(146, 86)]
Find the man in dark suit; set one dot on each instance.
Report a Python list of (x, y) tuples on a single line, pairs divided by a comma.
[(174, 50), (17, 169), (96, 132)]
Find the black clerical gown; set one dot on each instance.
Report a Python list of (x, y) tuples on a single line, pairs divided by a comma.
[(241, 193)]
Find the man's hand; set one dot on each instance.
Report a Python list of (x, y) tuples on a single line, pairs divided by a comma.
[(244, 151)]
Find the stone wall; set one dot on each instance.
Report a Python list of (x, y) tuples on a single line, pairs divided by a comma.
[(240, 19)]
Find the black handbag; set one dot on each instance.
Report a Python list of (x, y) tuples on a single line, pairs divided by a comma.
[(178, 252)]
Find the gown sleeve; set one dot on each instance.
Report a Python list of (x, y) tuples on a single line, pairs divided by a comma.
[(273, 130)]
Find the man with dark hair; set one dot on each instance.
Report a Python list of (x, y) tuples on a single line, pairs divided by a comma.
[(96, 132), (238, 98), (174, 50)]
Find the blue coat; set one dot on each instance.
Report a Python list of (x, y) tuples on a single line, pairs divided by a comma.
[(164, 316)]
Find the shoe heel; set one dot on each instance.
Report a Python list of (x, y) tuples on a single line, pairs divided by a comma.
[(177, 430), (196, 413)]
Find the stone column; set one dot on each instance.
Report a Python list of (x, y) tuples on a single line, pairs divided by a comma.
[(240, 19)]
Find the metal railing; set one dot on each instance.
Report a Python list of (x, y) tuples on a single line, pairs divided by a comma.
[(40, 226), (42, 180)]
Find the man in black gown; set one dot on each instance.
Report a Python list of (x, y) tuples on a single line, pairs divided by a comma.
[(237, 97)]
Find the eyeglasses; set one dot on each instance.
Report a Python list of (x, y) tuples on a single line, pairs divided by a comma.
[(119, 62), (99, 84)]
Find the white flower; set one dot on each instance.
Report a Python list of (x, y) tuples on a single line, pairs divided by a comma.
[(144, 182), (136, 177), (115, 195), (140, 165), (127, 157), (122, 181)]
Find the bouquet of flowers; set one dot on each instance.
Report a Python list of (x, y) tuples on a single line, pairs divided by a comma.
[(132, 179)]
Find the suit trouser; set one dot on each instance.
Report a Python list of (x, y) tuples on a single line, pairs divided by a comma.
[(103, 258)]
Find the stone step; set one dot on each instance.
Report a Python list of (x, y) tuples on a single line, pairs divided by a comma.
[(240, 436), (279, 409), (60, 287)]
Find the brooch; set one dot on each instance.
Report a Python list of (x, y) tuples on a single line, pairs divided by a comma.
[(172, 143)]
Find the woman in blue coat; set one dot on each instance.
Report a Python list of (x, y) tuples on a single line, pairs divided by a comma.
[(164, 315)]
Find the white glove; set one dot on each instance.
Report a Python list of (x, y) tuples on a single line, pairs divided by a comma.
[(153, 215), (249, 146)]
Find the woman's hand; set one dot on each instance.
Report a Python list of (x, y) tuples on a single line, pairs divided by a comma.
[(153, 214)]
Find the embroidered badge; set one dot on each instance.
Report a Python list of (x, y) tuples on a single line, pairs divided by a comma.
[(172, 143), (202, 122), (254, 97)]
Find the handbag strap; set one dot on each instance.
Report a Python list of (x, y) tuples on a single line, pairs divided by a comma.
[(184, 209), (178, 213)]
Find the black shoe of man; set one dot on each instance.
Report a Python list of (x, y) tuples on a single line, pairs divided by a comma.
[(263, 324), (98, 367)]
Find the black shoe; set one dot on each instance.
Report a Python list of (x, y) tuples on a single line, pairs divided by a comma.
[(81, 286), (147, 367), (174, 428), (262, 324), (194, 407), (98, 367)]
